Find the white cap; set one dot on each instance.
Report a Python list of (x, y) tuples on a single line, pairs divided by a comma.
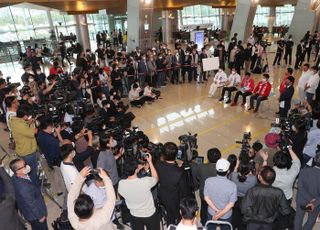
[(222, 165)]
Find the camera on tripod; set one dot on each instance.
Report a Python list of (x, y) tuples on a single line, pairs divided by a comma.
[(265, 43), (245, 145), (188, 148)]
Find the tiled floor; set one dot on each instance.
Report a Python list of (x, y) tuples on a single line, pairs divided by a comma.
[(186, 108)]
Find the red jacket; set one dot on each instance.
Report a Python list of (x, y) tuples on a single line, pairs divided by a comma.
[(263, 89), (248, 83), (283, 84)]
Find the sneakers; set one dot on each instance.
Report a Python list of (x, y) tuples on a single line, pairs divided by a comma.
[(250, 108)]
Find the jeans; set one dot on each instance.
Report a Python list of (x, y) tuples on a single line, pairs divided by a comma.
[(222, 227), (32, 161), (161, 78), (152, 222)]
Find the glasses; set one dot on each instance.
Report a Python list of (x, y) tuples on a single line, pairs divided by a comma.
[(21, 167)]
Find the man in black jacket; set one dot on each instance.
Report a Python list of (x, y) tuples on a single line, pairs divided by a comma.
[(173, 183), (8, 213), (285, 97), (263, 202), (300, 54)]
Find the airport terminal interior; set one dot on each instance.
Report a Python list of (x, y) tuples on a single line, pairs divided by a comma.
[(159, 114)]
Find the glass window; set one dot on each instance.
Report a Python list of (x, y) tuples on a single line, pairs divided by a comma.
[(39, 18), (262, 16), (200, 14), (6, 21), (284, 15)]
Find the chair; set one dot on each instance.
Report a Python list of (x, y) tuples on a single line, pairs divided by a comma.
[(218, 222), (266, 101)]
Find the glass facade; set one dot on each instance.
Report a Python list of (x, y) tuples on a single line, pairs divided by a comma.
[(284, 15), (97, 22), (261, 17), (200, 14)]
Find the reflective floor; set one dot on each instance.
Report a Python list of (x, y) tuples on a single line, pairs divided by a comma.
[(187, 108)]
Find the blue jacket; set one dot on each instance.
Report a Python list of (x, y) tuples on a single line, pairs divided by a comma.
[(286, 96), (29, 199)]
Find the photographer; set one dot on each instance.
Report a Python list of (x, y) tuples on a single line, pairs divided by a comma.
[(138, 196), (203, 172), (45, 90), (308, 196), (50, 145), (107, 160), (56, 69), (23, 132), (81, 211), (173, 183), (287, 168)]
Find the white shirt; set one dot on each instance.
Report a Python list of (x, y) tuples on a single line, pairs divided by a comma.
[(313, 82), (147, 91), (98, 195), (9, 115), (185, 227), (138, 196), (234, 79), (304, 79), (133, 95), (69, 173), (220, 77)]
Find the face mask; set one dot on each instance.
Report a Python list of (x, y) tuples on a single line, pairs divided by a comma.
[(33, 98), (30, 117), (102, 187), (114, 143), (31, 80), (264, 80), (233, 72), (27, 170), (293, 128), (38, 72), (52, 131)]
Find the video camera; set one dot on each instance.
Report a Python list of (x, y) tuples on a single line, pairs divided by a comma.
[(245, 145), (188, 147), (265, 43)]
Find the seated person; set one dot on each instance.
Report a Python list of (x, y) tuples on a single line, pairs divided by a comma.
[(219, 81), (260, 93), (148, 94), (231, 85), (134, 97), (246, 88), (188, 212), (82, 213)]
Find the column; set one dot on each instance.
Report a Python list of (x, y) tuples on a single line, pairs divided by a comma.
[(133, 24), (53, 30), (272, 18), (170, 25), (112, 24), (157, 23), (82, 31), (243, 19), (302, 21)]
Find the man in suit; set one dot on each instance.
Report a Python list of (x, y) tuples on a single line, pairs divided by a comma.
[(300, 53), (285, 97), (143, 71), (28, 195)]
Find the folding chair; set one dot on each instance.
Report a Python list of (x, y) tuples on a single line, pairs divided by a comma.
[(218, 222)]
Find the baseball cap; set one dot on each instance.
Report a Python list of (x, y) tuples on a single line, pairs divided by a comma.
[(222, 165)]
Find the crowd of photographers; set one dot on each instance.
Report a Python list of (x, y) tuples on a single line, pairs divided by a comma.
[(106, 166)]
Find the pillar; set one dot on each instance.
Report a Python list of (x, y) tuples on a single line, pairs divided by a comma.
[(157, 21), (82, 31), (243, 19), (53, 32), (272, 18), (169, 25), (111, 22), (303, 20), (133, 24)]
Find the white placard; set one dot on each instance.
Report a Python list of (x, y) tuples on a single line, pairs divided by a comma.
[(210, 64)]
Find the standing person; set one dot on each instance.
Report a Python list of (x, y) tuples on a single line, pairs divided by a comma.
[(202, 56), (160, 63), (312, 142), (28, 195), (143, 71), (152, 67), (23, 132), (279, 53), (81, 211), (8, 212), (173, 183), (194, 66), (176, 65), (285, 98), (288, 73), (258, 210), (248, 56), (203, 172), (312, 84), (304, 78), (246, 88), (308, 196), (137, 194), (116, 79), (300, 54), (231, 85), (219, 81), (288, 50), (64, 55), (260, 93), (220, 194)]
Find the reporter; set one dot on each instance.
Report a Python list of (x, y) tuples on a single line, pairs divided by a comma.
[(81, 211), (137, 194)]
